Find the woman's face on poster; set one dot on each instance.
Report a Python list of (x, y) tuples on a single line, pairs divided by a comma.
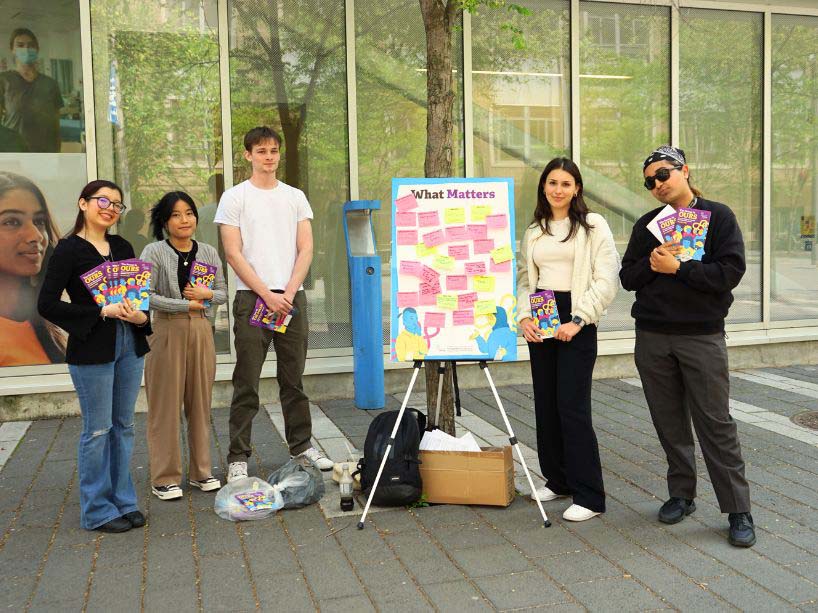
[(23, 233)]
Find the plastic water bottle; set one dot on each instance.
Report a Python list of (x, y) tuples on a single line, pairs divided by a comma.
[(345, 485)]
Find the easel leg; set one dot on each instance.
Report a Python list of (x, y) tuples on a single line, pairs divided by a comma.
[(416, 370), (513, 440), (441, 370)]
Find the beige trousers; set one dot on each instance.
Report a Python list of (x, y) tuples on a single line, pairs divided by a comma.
[(179, 373)]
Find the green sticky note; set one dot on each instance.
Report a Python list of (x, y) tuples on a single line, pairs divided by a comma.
[(443, 262), (501, 254), (483, 283), (454, 215), (484, 307), (480, 211), (448, 301), (422, 250)]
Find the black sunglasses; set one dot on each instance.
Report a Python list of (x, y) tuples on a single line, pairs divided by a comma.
[(663, 174)]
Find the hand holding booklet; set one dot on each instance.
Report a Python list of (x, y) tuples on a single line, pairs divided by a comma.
[(262, 317), (544, 311), (112, 282)]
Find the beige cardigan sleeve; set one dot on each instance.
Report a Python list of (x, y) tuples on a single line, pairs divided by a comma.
[(524, 288), (604, 282)]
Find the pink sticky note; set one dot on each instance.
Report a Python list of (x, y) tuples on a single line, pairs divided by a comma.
[(456, 282), (457, 233), (463, 318), (501, 267), (465, 301), (427, 289), (459, 252), (497, 221), (429, 275), (434, 320), (406, 203), (428, 299), (477, 231), (409, 267), (433, 239), (406, 218), (407, 299), (475, 268), (428, 218), (407, 237), (480, 246)]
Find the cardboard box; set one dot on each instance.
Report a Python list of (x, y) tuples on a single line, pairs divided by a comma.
[(468, 477)]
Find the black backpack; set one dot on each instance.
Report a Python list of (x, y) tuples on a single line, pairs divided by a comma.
[(400, 482)]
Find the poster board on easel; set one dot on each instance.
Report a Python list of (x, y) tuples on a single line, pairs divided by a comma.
[(453, 270)]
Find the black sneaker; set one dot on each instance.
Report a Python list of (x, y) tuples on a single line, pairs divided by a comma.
[(120, 524), (675, 510), (742, 530), (136, 518), (167, 492)]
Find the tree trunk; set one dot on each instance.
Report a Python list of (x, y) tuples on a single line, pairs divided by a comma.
[(438, 16)]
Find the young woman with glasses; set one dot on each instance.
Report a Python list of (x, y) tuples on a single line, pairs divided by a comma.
[(681, 352), (105, 359)]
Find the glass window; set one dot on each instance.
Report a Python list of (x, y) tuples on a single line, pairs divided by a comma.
[(158, 112), (390, 52), (721, 68), (288, 71), (624, 114), (794, 275), (522, 116), (42, 165)]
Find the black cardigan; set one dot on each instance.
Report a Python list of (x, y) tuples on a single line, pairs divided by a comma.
[(697, 298), (91, 340)]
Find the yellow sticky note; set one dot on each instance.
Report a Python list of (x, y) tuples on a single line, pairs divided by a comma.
[(483, 283), (448, 301), (479, 212), (501, 254), (454, 215), (443, 262), (422, 250), (484, 307)]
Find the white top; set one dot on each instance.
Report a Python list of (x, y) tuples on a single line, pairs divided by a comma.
[(555, 259), (595, 276), (268, 220)]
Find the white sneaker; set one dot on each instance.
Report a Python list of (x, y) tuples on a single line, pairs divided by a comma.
[(236, 471), (544, 494), (578, 513), (317, 457)]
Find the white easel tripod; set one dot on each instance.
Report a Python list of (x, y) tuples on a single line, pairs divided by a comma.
[(511, 438)]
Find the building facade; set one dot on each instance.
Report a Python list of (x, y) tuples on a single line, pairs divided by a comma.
[(157, 95)]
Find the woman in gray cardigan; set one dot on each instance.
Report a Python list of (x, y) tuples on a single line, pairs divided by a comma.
[(182, 364)]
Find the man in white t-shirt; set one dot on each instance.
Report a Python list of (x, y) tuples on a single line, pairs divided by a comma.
[(267, 237)]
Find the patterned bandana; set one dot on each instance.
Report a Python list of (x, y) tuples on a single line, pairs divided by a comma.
[(670, 154)]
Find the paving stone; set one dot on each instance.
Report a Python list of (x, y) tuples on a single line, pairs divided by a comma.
[(177, 595), (282, 591), (519, 590), (435, 516), (745, 594), (469, 535), (539, 542), (389, 586), (65, 576), (425, 560), (225, 584), (626, 593), (363, 547), (115, 587), (216, 536), (266, 541), (329, 574), (491, 560), (577, 566), (393, 521), (457, 596), (169, 517), (16, 589), (125, 549), (345, 605)]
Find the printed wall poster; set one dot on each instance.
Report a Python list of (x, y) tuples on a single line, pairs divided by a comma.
[(453, 270)]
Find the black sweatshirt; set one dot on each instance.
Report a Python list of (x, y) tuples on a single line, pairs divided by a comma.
[(90, 339), (696, 299)]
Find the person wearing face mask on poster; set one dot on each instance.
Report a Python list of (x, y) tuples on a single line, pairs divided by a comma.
[(30, 102), (680, 351)]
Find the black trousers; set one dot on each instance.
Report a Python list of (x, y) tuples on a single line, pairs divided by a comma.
[(566, 443), (686, 378)]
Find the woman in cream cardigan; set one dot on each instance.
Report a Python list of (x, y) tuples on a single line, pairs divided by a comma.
[(570, 251)]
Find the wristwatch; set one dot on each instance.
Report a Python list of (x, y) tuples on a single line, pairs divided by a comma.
[(576, 319)]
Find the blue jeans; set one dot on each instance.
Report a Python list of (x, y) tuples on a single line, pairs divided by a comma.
[(107, 394)]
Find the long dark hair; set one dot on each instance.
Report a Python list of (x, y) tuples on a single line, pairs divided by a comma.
[(51, 337), (162, 210), (89, 190), (577, 212)]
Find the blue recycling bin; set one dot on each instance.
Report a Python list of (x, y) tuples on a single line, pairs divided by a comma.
[(367, 308)]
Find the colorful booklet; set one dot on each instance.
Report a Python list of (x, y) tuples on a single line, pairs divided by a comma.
[(255, 501), (204, 275), (653, 225), (262, 317), (111, 282), (544, 311), (96, 282), (688, 228)]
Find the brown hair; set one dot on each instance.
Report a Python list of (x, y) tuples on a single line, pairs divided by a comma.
[(89, 190), (259, 135), (577, 212), (22, 32)]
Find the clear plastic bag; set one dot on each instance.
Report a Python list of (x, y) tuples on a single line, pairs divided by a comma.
[(247, 499), (299, 482)]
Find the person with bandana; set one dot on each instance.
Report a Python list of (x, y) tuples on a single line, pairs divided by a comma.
[(30, 102), (410, 344), (680, 352)]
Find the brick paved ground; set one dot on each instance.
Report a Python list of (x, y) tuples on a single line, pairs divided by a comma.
[(440, 557)]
